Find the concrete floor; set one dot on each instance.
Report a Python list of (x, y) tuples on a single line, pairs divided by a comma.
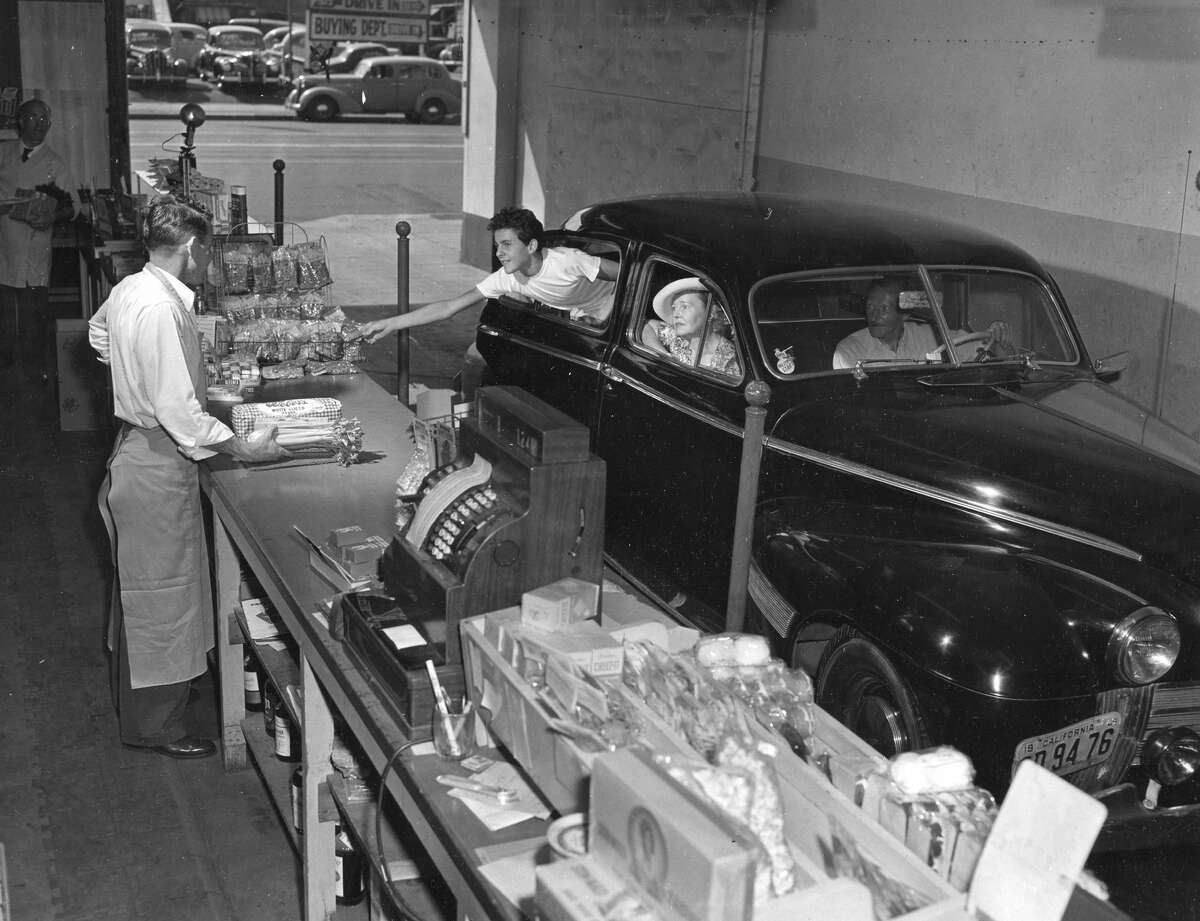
[(93, 831)]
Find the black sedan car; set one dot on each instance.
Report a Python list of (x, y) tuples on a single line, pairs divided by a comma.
[(960, 529), (234, 59)]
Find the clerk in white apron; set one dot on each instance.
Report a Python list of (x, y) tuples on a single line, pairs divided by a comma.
[(161, 627)]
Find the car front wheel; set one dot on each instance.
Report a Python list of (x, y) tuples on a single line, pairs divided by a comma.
[(321, 109), (433, 111), (862, 690)]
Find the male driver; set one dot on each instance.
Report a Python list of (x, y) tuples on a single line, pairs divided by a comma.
[(561, 277), (160, 626), (28, 164), (890, 336)]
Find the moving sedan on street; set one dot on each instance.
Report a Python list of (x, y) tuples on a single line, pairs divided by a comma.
[(419, 88), (961, 530)]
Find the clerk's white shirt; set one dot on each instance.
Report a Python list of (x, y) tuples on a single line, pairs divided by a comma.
[(152, 344)]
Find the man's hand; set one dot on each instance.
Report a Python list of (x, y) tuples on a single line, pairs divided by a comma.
[(259, 447), (1000, 335), (375, 330)]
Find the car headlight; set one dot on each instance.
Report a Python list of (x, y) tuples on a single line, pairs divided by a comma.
[(1143, 646)]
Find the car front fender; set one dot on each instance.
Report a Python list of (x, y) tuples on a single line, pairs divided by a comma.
[(346, 101), (995, 620)]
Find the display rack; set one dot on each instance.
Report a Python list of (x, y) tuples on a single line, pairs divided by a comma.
[(277, 301)]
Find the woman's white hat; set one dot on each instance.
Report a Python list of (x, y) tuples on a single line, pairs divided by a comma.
[(666, 294)]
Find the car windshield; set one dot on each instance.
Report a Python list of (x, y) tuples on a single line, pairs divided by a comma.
[(150, 37), (807, 324), (237, 41)]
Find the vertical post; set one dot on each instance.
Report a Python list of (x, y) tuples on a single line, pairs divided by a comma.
[(758, 395), (403, 229), (279, 165)]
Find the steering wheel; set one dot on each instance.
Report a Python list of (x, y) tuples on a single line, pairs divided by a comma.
[(962, 340)]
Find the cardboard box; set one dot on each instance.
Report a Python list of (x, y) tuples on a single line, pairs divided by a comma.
[(583, 644), (84, 397), (688, 861), (365, 551), (582, 889), (560, 603), (344, 537)]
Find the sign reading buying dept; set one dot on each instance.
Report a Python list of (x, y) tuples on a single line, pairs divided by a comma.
[(388, 21)]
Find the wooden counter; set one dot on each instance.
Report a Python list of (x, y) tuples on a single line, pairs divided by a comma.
[(254, 510)]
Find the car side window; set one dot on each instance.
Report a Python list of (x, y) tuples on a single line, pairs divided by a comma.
[(571, 297), (684, 321), (382, 71)]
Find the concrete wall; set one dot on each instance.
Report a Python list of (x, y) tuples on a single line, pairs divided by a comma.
[(1065, 126), (607, 99)]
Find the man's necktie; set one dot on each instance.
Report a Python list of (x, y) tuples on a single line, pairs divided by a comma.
[(25, 152)]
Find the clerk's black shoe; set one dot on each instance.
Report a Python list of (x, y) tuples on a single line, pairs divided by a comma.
[(187, 747)]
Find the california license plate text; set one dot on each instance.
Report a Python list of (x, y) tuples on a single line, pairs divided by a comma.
[(1073, 747)]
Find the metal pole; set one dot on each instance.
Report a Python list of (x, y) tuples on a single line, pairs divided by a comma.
[(403, 229), (279, 165), (287, 45), (758, 395)]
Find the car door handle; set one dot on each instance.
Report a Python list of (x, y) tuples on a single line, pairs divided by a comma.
[(614, 376)]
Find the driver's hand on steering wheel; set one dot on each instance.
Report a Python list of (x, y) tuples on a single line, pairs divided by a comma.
[(999, 337)]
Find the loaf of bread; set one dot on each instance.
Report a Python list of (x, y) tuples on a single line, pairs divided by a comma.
[(935, 770), (726, 650)]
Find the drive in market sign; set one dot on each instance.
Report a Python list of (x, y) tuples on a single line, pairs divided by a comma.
[(368, 20)]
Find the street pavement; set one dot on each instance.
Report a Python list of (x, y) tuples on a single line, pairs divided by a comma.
[(364, 253)]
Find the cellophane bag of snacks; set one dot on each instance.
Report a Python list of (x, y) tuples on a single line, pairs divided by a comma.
[(312, 270)]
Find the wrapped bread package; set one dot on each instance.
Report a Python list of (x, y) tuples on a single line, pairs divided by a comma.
[(246, 417)]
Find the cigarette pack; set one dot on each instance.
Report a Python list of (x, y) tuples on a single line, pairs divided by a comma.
[(560, 603)]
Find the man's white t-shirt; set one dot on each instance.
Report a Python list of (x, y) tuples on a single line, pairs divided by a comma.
[(568, 280)]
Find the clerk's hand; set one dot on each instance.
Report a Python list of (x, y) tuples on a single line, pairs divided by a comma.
[(260, 446), (375, 330)]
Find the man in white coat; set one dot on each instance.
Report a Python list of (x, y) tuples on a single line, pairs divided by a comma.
[(160, 627)]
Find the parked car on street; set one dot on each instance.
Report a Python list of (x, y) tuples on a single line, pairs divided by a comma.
[(233, 58), (452, 56), (419, 88), (188, 40), (284, 43), (150, 57), (256, 22), (346, 57), (970, 539)]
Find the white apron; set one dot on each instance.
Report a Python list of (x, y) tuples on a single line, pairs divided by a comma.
[(150, 502)]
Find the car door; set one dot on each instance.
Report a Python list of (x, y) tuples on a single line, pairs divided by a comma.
[(547, 352), (670, 432), (410, 82), (379, 88)]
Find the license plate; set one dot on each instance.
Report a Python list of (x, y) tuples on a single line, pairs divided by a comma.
[(1073, 747)]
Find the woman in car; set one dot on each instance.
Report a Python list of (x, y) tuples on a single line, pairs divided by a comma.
[(683, 307)]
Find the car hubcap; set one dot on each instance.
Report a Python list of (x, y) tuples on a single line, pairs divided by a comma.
[(878, 721)]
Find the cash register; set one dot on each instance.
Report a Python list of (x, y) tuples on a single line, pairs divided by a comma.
[(520, 506)]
